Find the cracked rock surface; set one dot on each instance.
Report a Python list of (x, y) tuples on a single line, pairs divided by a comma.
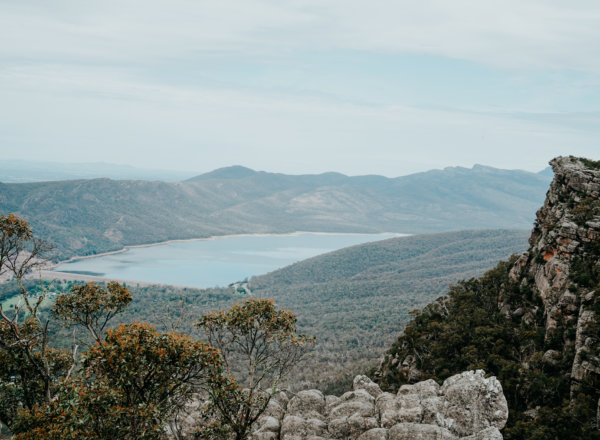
[(467, 406)]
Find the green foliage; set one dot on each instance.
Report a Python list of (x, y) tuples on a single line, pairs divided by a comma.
[(152, 368), (586, 209), (134, 380), (259, 345), (89, 410), (358, 299), (24, 371), (467, 330), (592, 164), (91, 306)]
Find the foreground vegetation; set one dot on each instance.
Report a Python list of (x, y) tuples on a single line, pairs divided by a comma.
[(466, 330), (132, 381)]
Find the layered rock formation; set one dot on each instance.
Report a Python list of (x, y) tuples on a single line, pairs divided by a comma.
[(563, 262), (467, 406), (533, 321)]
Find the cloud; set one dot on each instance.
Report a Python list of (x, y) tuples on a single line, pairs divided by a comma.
[(89, 115), (513, 34), (199, 84)]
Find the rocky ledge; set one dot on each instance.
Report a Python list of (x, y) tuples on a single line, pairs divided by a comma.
[(468, 406)]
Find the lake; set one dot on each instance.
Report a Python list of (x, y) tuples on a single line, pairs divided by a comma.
[(214, 262)]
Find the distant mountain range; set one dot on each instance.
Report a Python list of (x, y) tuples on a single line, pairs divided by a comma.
[(24, 171), (90, 216)]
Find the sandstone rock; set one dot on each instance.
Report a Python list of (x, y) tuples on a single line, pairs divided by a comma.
[(298, 427), (414, 431), (551, 357), (374, 434), (307, 404), (473, 403), (266, 435), (364, 383), (353, 415), (467, 405), (351, 427), (491, 433), (330, 402), (388, 408)]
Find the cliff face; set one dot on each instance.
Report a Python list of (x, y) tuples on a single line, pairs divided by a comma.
[(534, 321), (564, 263)]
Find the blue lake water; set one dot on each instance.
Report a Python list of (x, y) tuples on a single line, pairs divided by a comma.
[(214, 262)]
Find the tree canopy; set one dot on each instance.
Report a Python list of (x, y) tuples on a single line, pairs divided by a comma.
[(133, 381)]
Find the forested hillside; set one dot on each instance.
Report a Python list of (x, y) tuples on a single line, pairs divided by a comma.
[(358, 298), (355, 300), (90, 216)]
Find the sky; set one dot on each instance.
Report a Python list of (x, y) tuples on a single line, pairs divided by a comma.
[(385, 87)]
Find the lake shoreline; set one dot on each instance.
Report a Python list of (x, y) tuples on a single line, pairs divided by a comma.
[(215, 237), (54, 271)]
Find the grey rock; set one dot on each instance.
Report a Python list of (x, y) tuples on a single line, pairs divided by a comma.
[(388, 408), (307, 404), (364, 383), (473, 403), (294, 426), (353, 415), (467, 405), (374, 434), (414, 431), (491, 433)]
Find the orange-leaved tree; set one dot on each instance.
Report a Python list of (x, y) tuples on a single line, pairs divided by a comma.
[(28, 366), (132, 384), (133, 381), (91, 306)]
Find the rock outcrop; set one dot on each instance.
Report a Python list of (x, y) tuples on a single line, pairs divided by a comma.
[(538, 316), (562, 261), (466, 406)]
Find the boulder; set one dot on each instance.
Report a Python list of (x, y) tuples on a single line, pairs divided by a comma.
[(364, 383), (374, 434), (473, 403), (417, 431), (491, 433), (467, 406), (307, 404), (353, 415)]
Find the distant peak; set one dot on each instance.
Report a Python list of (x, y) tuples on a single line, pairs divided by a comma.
[(232, 172)]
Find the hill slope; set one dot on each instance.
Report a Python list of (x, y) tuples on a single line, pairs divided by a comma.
[(534, 321), (90, 216), (356, 299)]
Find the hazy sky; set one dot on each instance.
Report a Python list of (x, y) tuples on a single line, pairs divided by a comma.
[(384, 87)]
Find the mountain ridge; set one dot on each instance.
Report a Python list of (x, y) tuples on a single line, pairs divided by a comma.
[(84, 217)]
